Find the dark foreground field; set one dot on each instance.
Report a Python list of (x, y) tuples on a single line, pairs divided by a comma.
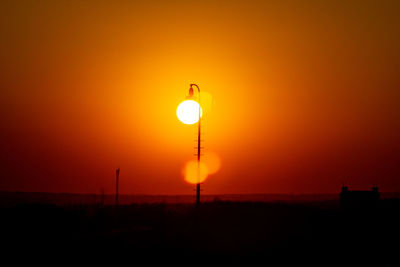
[(225, 232)]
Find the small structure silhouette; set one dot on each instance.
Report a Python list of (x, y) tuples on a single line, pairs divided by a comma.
[(359, 198)]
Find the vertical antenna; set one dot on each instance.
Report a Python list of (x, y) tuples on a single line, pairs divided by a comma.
[(116, 191), (102, 197)]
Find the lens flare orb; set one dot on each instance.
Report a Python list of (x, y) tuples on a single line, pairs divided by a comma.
[(195, 172), (188, 112), (212, 161)]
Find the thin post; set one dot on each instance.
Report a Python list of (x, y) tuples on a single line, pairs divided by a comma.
[(198, 161), (198, 149), (116, 191)]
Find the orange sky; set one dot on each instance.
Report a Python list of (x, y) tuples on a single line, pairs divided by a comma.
[(306, 94)]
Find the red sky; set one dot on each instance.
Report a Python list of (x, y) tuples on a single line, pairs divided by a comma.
[(306, 94)]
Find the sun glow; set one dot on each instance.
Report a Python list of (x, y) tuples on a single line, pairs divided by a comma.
[(188, 112)]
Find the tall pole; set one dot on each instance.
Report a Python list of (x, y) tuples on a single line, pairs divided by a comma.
[(116, 191), (198, 147), (198, 159)]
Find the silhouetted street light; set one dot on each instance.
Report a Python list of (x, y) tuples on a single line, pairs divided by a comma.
[(187, 113)]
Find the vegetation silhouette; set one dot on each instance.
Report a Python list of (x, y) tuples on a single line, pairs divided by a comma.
[(216, 231)]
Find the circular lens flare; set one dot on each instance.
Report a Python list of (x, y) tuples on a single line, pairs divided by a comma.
[(195, 172), (212, 161), (188, 112)]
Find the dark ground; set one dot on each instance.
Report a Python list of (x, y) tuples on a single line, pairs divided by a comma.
[(318, 233)]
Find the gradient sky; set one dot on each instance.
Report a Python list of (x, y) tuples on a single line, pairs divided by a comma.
[(306, 94)]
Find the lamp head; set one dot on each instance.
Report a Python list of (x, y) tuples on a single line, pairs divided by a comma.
[(190, 92)]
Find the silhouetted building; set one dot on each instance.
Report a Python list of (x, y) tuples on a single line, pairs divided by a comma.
[(359, 198)]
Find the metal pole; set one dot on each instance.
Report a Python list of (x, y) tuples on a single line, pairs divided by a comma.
[(198, 149), (116, 191), (198, 161)]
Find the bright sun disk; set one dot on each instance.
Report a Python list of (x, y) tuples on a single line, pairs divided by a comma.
[(188, 112)]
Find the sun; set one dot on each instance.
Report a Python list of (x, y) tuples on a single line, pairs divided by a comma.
[(188, 112)]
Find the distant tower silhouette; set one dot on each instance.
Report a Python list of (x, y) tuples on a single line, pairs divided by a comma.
[(116, 191), (102, 197)]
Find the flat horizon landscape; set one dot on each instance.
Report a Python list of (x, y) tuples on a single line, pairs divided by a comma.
[(18, 197), (226, 232)]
